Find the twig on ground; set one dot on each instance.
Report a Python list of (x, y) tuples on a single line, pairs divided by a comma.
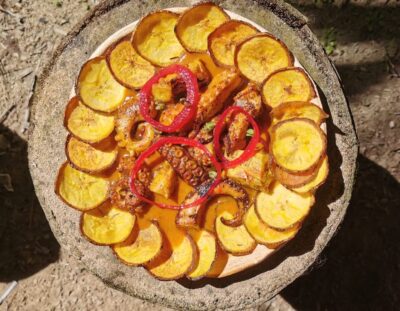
[(8, 291), (8, 12), (4, 86), (59, 31), (25, 72), (27, 106), (6, 113)]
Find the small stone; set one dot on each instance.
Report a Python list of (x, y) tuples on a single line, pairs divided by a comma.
[(43, 20), (391, 124), (64, 21)]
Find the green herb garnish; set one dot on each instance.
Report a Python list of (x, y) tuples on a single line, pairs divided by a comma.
[(160, 106), (212, 174), (209, 126), (329, 40), (250, 133)]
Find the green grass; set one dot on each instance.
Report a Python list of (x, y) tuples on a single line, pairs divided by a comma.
[(329, 40)]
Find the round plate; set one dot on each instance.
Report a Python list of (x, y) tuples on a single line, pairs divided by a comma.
[(253, 285), (234, 264)]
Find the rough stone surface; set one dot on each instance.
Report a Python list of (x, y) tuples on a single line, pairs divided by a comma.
[(246, 289)]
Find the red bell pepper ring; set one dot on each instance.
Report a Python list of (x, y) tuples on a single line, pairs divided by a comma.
[(175, 141), (192, 98), (251, 148)]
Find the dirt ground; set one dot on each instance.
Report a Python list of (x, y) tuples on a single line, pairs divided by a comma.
[(360, 269)]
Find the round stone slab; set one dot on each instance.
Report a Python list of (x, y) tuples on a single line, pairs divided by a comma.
[(245, 289)]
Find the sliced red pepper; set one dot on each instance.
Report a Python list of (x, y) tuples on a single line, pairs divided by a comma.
[(192, 98), (251, 148), (174, 141)]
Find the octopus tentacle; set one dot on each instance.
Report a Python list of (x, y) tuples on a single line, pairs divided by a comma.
[(191, 217), (128, 117), (200, 157), (120, 192), (213, 99), (250, 100), (184, 164), (235, 190)]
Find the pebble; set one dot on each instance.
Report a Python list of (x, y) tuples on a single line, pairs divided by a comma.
[(391, 124)]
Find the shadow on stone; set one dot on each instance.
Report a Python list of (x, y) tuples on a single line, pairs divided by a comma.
[(27, 244), (361, 269)]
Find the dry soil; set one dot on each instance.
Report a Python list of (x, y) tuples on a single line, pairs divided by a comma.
[(360, 269)]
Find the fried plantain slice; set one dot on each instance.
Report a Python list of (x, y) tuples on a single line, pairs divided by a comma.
[(196, 23), (219, 264), (223, 40), (292, 180), (127, 66), (291, 110), (281, 208), (234, 240), (260, 55), (80, 190), (286, 85), (97, 88), (322, 174), (87, 124), (154, 38), (144, 247), (107, 226), (297, 145), (181, 262), (87, 158), (263, 234), (207, 247)]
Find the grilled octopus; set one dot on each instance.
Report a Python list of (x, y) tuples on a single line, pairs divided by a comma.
[(199, 156), (191, 217), (204, 136), (184, 164), (172, 87), (130, 120), (250, 100), (202, 74), (213, 99), (120, 192)]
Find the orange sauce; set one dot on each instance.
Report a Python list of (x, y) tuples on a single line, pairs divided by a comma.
[(166, 217), (217, 205)]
